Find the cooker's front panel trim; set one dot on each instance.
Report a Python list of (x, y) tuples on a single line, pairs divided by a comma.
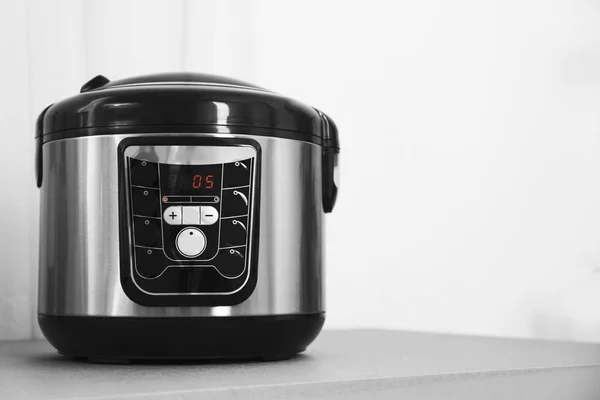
[(188, 220)]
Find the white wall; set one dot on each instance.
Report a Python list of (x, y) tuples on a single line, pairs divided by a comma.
[(473, 124), (16, 174)]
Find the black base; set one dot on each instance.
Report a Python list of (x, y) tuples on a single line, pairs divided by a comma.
[(123, 339)]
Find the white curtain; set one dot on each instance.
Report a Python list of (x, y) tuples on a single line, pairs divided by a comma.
[(470, 196)]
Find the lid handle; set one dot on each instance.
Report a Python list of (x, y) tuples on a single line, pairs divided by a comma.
[(96, 82)]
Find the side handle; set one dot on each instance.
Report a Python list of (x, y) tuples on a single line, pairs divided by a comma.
[(39, 162), (330, 163)]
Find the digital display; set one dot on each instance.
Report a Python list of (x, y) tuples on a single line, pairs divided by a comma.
[(191, 179), (199, 181)]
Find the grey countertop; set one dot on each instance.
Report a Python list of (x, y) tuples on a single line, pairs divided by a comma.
[(339, 365)]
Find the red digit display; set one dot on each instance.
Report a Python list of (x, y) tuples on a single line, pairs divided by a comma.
[(197, 181), (190, 180)]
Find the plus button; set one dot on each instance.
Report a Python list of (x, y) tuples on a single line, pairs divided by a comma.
[(172, 215)]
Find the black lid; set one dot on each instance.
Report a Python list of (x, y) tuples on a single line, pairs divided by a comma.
[(162, 102)]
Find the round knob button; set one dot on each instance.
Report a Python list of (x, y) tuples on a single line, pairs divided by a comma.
[(191, 242)]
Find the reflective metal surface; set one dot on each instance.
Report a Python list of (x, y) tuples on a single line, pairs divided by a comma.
[(79, 244), (190, 155)]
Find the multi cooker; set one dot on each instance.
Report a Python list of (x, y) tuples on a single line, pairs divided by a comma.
[(182, 216)]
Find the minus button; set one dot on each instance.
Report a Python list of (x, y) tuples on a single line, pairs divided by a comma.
[(208, 215)]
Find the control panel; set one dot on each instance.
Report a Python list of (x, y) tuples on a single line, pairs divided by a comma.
[(191, 223)]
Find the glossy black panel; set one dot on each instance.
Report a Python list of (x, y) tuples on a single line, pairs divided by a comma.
[(149, 263), (144, 173), (147, 232), (234, 231), (230, 262), (146, 202), (221, 270), (236, 174), (235, 202), (182, 280)]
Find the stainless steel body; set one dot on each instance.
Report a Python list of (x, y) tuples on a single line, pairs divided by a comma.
[(79, 242)]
